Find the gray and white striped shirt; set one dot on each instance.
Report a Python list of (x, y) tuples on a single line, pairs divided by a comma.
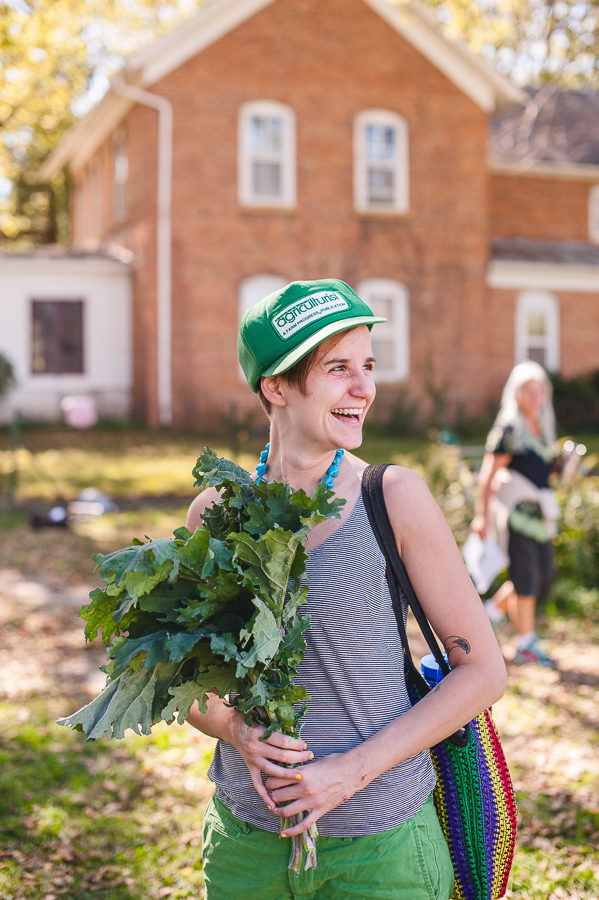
[(353, 673)]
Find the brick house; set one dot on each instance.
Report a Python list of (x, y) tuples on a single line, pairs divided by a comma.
[(271, 140)]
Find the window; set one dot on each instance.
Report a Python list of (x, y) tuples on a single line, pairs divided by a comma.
[(94, 225), (594, 214), (267, 175), (253, 289), (381, 162), (120, 175), (390, 340), (537, 329), (79, 210), (57, 337)]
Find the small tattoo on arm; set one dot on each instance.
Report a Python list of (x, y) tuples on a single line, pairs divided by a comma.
[(454, 642)]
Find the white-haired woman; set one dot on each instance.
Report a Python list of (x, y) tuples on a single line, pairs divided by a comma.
[(367, 775), (517, 507)]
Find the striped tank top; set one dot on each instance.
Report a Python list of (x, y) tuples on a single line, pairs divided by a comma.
[(353, 673)]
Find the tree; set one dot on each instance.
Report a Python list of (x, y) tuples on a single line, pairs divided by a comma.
[(533, 41), (57, 58)]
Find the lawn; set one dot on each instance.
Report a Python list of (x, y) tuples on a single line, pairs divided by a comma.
[(122, 820)]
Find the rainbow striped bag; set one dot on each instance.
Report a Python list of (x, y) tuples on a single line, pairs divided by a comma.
[(474, 795)]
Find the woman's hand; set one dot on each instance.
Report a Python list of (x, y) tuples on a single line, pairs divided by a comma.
[(267, 756), (325, 784), (479, 525)]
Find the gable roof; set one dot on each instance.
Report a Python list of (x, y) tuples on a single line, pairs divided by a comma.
[(555, 131), (470, 73)]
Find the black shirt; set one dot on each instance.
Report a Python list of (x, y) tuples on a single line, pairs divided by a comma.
[(534, 459)]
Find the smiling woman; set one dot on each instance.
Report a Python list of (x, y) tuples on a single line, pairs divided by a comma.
[(366, 774)]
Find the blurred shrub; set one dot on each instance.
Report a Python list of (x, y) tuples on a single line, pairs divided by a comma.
[(453, 485), (576, 587), (576, 402), (7, 375), (451, 481)]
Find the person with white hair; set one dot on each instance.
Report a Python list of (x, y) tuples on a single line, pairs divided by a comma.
[(516, 507)]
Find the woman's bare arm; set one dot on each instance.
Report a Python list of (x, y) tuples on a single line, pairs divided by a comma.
[(453, 607)]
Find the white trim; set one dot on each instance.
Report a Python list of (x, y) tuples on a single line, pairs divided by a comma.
[(251, 290), (286, 157), (163, 243), (547, 304), (396, 329), (470, 73), (31, 265), (82, 141), (400, 167), (190, 38), (565, 171), (593, 202), (516, 274)]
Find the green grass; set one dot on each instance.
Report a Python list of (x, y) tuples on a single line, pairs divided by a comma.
[(122, 820)]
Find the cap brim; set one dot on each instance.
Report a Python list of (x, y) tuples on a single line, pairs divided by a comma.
[(286, 362)]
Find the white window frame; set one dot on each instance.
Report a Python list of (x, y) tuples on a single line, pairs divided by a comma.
[(401, 199), (540, 302), (120, 175), (398, 330), (94, 206), (253, 289), (594, 214), (286, 157)]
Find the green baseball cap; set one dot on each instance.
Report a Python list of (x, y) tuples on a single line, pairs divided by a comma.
[(279, 330)]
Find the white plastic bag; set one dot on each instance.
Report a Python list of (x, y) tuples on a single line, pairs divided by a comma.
[(484, 561)]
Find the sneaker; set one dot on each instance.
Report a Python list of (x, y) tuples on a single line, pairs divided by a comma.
[(533, 655)]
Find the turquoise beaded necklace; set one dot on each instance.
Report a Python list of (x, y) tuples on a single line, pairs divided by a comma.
[(331, 472)]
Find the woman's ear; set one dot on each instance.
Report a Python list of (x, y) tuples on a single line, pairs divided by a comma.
[(271, 389)]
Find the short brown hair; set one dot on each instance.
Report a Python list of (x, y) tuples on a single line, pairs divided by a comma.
[(297, 375)]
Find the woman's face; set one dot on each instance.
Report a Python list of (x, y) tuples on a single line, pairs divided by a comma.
[(339, 392), (531, 397)]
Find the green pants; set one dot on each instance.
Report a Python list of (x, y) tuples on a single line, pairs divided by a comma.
[(410, 862)]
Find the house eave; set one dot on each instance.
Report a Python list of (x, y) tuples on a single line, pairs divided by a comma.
[(472, 75), (564, 171), (520, 275)]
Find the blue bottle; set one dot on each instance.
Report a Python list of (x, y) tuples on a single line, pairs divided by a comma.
[(430, 669)]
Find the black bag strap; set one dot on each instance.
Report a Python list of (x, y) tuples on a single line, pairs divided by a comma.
[(376, 509), (398, 578)]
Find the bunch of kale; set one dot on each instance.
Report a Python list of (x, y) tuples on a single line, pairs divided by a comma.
[(216, 610)]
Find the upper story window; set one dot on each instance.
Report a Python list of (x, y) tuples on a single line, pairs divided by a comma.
[(57, 337), (267, 167), (79, 212), (381, 173), (390, 340), (537, 329), (120, 175), (94, 205), (255, 288)]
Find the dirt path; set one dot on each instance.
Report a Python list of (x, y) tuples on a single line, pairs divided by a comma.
[(549, 722)]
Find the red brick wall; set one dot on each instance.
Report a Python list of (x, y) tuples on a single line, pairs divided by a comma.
[(327, 60), (551, 209), (579, 326)]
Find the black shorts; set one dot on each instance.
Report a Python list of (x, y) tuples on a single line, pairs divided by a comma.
[(531, 565)]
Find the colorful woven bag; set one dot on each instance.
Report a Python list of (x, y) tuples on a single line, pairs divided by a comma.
[(474, 795)]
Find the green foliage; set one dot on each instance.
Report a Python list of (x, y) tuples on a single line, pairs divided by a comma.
[(216, 610), (576, 588), (531, 40), (576, 402), (7, 375), (54, 58)]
